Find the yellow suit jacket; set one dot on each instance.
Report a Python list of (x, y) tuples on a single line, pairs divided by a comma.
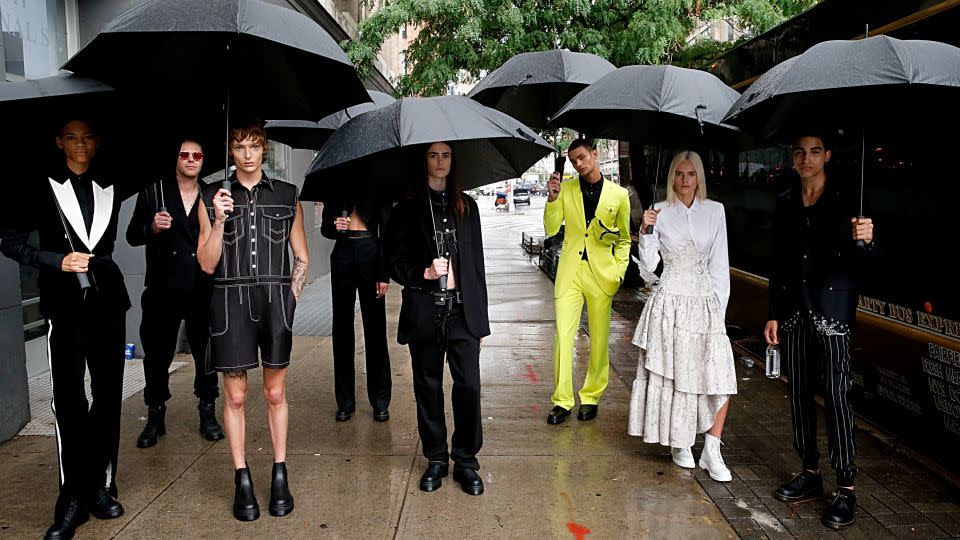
[(607, 239)]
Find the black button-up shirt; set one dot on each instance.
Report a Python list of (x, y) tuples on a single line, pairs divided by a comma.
[(591, 198), (256, 234)]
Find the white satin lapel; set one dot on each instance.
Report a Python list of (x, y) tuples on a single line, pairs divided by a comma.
[(102, 210), (67, 199)]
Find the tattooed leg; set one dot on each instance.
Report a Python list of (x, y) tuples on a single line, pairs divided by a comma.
[(298, 277)]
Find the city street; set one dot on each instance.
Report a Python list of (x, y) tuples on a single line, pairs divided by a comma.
[(359, 479)]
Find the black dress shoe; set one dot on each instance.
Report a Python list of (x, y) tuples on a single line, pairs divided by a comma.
[(804, 486), (70, 513), (155, 427), (281, 500), (343, 416), (209, 427), (587, 412), (470, 481), (245, 507), (842, 511), (381, 416), (557, 415), (432, 477), (104, 505)]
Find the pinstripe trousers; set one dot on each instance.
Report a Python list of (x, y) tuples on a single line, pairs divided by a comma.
[(818, 357)]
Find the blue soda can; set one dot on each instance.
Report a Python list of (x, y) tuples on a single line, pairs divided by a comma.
[(129, 351)]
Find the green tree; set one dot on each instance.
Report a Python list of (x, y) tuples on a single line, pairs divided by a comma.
[(461, 39)]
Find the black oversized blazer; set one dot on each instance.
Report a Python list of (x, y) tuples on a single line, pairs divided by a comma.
[(838, 269), (410, 248), (171, 255)]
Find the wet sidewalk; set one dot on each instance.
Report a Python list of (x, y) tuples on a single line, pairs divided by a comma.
[(359, 479)]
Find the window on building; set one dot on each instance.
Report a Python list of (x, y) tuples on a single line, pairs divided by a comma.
[(403, 32), (34, 34)]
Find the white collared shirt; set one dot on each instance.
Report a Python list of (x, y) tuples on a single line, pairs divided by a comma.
[(704, 224)]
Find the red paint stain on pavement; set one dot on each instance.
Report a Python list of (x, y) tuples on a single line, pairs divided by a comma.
[(533, 407), (578, 531), (531, 375)]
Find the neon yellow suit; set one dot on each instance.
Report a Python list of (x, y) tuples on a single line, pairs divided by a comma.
[(596, 280)]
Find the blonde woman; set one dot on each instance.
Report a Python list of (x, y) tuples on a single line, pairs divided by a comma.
[(685, 375)]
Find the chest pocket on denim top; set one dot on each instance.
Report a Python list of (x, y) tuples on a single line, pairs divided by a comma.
[(276, 223)]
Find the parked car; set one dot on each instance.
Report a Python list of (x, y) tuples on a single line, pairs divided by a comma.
[(521, 196)]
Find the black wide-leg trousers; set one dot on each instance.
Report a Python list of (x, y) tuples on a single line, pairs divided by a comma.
[(353, 267), (462, 352), (159, 328), (88, 434)]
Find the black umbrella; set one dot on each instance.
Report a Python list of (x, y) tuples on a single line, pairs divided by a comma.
[(386, 147), (311, 135), (190, 51), (192, 54), (858, 83), (532, 87), (666, 104), (874, 82)]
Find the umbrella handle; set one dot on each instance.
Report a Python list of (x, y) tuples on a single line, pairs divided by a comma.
[(861, 243)]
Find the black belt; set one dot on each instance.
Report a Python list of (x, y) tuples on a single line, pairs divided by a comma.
[(353, 235), (252, 280)]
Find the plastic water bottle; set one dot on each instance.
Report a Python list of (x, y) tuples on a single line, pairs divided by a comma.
[(773, 362)]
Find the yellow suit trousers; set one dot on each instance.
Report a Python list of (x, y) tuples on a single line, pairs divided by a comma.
[(569, 306)]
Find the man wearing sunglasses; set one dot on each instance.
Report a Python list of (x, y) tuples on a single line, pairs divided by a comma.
[(165, 220)]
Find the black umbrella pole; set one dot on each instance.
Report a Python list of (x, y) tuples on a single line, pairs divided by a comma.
[(863, 164), (656, 178), (225, 184)]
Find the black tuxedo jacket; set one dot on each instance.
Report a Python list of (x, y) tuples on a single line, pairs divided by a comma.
[(171, 254), (60, 291), (410, 248)]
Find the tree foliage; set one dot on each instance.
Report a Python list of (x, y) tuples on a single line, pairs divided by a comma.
[(461, 39)]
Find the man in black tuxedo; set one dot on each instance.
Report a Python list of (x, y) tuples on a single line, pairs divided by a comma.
[(83, 297), (820, 245), (165, 220)]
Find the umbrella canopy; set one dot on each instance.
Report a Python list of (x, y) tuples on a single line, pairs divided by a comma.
[(386, 147), (666, 104), (857, 83), (276, 63), (532, 87), (311, 135)]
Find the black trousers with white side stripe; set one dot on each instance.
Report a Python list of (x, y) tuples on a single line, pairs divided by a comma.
[(88, 434), (818, 357)]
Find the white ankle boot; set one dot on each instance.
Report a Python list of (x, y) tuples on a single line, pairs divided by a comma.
[(712, 461), (683, 457)]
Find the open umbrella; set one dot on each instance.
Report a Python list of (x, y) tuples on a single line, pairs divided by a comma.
[(311, 135), (532, 87), (386, 146), (194, 54), (652, 103), (855, 83), (859, 84), (662, 104)]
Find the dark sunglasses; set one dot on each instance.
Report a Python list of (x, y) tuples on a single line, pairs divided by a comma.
[(197, 156)]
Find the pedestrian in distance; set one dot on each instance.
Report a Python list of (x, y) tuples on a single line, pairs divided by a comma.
[(166, 221), (814, 288), (685, 374), (435, 251), (595, 213), (245, 234)]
